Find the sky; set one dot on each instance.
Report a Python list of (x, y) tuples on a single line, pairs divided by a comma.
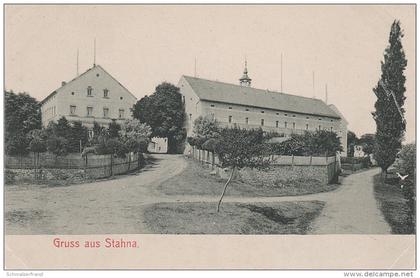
[(144, 45)]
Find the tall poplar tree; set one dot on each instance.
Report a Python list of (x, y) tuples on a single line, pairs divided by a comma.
[(389, 112)]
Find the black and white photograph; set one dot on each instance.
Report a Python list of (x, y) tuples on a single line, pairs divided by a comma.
[(204, 120)]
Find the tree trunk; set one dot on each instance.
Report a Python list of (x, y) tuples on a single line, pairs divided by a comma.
[(172, 144), (224, 189)]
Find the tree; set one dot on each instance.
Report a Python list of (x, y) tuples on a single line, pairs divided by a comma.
[(21, 115), (163, 111), (239, 148), (113, 129), (78, 137), (322, 142), (318, 143), (368, 143), (62, 128), (37, 144), (135, 136), (352, 141), (17, 144), (389, 114), (57, 145), (207, 127)]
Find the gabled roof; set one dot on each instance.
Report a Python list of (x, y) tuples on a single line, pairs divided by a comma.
[(92, 68), (235, 94)]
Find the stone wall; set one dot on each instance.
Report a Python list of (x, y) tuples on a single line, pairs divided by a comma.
[(278, 174)]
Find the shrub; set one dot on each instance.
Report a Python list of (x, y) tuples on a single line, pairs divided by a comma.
[(407, 160), (57, 145), (17, 144), (210, 144), (9, 176)]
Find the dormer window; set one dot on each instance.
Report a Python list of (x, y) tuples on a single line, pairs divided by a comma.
[(89, 91), (106, 93)]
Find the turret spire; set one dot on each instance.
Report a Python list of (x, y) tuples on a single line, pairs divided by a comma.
[(245, 80)]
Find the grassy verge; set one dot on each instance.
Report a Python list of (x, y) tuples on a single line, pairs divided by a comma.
[(393, 205), (233, 218), (197, 180)]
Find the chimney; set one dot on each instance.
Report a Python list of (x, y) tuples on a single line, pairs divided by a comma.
[(63, 83)]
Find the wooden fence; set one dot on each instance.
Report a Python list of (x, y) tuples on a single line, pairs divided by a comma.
[(96, 166), (330, 163)]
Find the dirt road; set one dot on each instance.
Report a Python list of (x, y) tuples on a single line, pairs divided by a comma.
[(116, 206), (352, 209), (104, 207)]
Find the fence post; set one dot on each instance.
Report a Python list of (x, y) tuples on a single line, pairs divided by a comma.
[(310, 161), (112, 157), (293, 160)]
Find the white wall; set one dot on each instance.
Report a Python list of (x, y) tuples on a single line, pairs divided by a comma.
[(75, 93)]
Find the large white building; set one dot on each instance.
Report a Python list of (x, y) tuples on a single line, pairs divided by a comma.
[(94, 96), (248, 107)]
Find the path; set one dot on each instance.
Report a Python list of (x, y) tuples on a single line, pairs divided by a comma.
[(352, 209), (104, 207)]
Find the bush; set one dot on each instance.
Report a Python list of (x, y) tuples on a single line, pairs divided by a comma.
[(57, 145), (17, 144), (9, 176), (407, 160), (319, 143)]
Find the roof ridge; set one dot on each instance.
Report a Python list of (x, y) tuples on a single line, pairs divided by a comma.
[(292, 103), (265, 90)]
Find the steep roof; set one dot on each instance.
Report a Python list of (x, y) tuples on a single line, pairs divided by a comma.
[(92, 68), (235, 94)]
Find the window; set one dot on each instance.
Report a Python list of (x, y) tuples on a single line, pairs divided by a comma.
[(212, 105), (307, 126), (294, 116), (72, 93), (230, 119), (307, 118), (294, 125), (285, 124), (121, 113), (246, 120), (277, 123), (89, 91), (262, 111), (106, 93), (106, 112), (285, 115), (230, 107), (72, 109), (121, 98), (262, 122), (320, 119), (190, 116), (89, 111), (246, 109)]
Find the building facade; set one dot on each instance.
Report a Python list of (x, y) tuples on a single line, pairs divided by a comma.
[(94, 96), (248, 107)]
